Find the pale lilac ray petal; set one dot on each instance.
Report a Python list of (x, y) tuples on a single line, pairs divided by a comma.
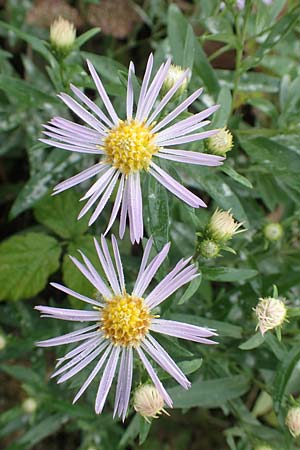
[(185, 153), (106, 176), (165, 282), (82, 364), (70, 126), (145, 258), (76, 294), (81, 112), (106, 380), (167, 97), (79, 178), (156, 381), (72, 134), (154, 90), (182, 330), (180, 108), (135, 207), (145, 83), (66, 311), (117, 204), (69, 338), (93, 374), (89, 316), (121, 381), (132, 224), (124, 401), (150, 271), (190, 138), (181, 131), (74, 140), (130, 94), (93, 107), (166, 363), (140, 113), (93, 343), (94, 273), (108, 269), (124, 210), (110, 265), (107, 103), (118, 262), (176, 188), (106, 196), (189, 121), (96, 194), (97, 283), (78, 349), (72, 148), (190, 159)]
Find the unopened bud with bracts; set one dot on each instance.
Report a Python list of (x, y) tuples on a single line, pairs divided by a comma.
[(148, 402), (175, 73), (29, 405), (2, 342), (271, 313), (208, 248), (220, 143), (62, 35), (293, 421), (273, 231), (222, 226)]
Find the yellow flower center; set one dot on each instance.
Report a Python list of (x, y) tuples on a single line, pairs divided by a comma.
[(130, 146), (125, 320)]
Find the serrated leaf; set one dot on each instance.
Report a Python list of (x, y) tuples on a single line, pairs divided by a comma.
[(59, 213), (26, 262)]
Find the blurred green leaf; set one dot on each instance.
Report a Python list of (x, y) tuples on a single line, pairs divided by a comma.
[(26, 262), (84, 37), (228, 274), (24, 94), (284, 371), (221, 116)]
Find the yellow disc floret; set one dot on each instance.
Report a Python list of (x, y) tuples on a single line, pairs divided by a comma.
[(130, 146), (125, 320)]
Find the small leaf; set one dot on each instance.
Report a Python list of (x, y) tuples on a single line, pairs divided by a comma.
[(253, 342), (84, 37), (191, 290), (221, 116), (236, 176), (283, 374), (26, 262), (228, 274)]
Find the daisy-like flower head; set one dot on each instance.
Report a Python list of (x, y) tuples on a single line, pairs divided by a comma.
[(130, 146), (123, 326)]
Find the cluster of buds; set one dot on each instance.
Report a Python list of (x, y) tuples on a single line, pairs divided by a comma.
[(271, 312), (220, 143), (292, 421), (148, 402), (62, 36), (219, 230)]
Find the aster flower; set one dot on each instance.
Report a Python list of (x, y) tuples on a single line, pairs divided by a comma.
[(123, 326), (130, 146)]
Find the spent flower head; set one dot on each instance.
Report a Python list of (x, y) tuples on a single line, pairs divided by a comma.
[(62, 35), (123, 325), (220, 143), (293, 421), (148, 402), (128, 147), (273, 231), (222, 226), (271, 313)]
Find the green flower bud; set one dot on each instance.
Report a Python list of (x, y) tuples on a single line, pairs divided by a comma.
[(208, 248), (220, 143), (273, 231), (29, 405), (263, 447), (62, 35), (2, 342), (173, 75), (222, 226)]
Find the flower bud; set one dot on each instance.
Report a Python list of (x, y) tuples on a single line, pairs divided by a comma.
[(148, 402), (2, 342), (29, 405), (263, 447), (222, 226), (208, 248), (173, 75), (220, 143), (273, 231), (270, 313), (62, 35), (293, 421)]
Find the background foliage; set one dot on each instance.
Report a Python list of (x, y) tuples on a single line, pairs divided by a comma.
[(248, 61)]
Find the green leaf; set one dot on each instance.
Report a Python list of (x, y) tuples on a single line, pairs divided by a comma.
[(192, 366), (59, 214), (157, 213), (144, 430), (26, 262), (210, 393), (52, 171), (107, 67), (228, 274), (283, 374), (253, 342), (236, 176), (221, 116), (189, 48), (191, 290), (84, 37), (22, 373), (177, 32)]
